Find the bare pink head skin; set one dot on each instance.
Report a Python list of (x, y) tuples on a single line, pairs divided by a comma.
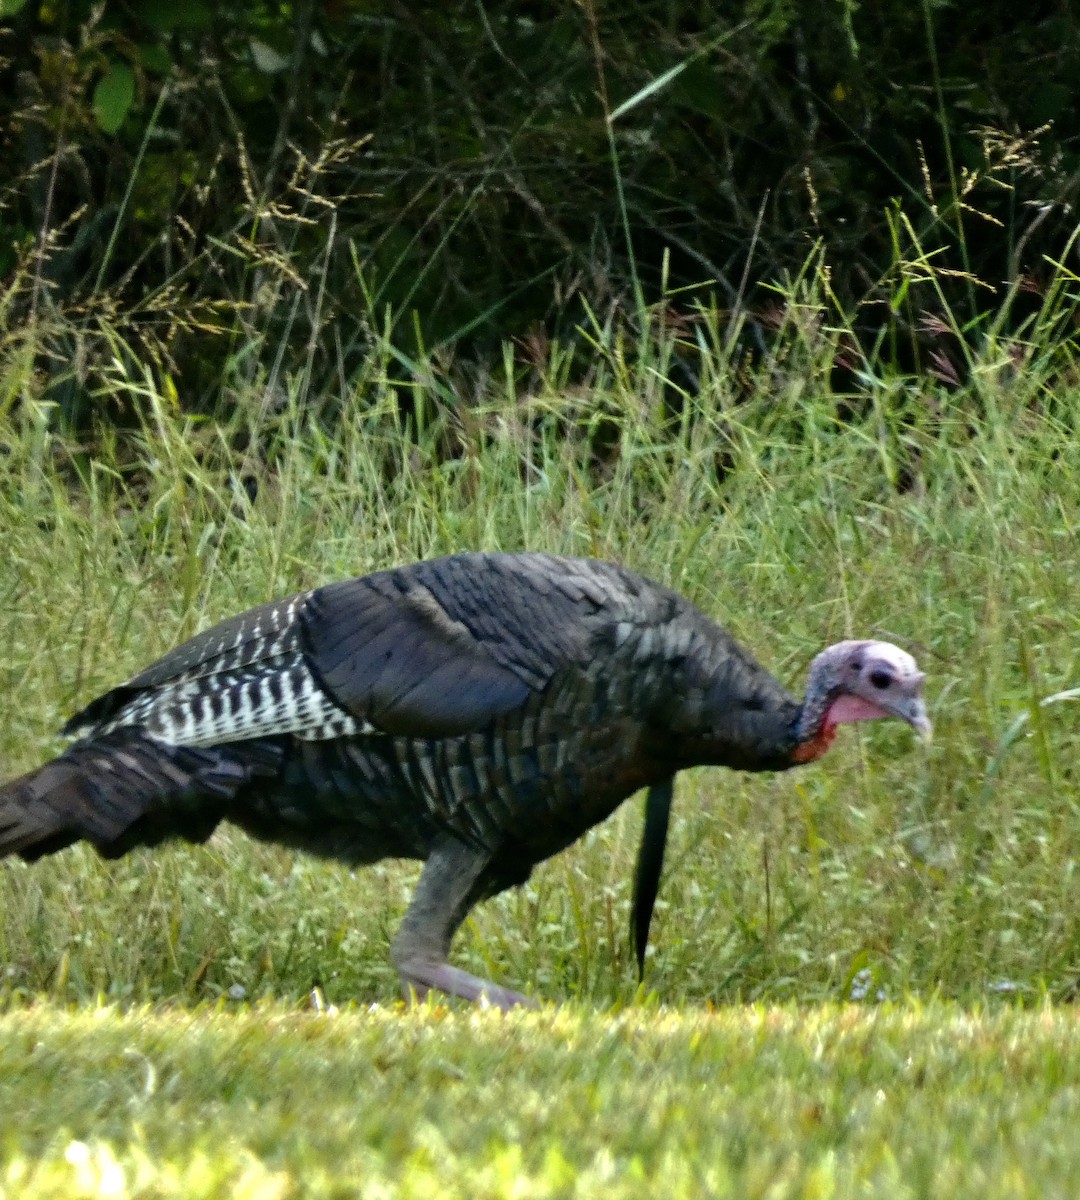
[(859, 681)]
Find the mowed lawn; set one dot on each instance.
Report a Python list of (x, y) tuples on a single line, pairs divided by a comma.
[(906, 1100)]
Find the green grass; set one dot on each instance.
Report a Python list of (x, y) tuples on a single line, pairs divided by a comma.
[(950, 869), (906, 1100), (947, 521)]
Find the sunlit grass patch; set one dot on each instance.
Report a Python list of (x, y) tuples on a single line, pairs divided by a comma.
[(741, 1102)]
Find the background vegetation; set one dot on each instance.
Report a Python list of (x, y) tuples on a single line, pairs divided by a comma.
[(947, 522), (243, 186)]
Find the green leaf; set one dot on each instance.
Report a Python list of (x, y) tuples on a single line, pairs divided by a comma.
[(8, 8), (661, 81), (113, 97), (266, 58), (155, 58)]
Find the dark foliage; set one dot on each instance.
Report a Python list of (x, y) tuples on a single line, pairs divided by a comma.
[(234, 183)]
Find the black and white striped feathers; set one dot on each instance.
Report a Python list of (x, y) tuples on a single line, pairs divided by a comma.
[(246, 678)]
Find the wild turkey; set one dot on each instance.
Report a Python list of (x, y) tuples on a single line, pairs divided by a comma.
[(479, 712)]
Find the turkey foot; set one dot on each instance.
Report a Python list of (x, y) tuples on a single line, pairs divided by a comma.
[(418, 976)]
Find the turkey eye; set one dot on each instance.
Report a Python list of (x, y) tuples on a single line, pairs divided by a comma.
[(880, 679)]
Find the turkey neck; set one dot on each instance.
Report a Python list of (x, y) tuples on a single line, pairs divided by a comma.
[(730, 712)]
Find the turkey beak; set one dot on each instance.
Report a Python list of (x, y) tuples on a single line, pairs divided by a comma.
[(920, 722), (912, 709)]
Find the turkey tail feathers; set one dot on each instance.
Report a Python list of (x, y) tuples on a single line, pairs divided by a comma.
[(126, 788)]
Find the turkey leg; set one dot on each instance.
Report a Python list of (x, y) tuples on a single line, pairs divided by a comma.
[(450, 884)]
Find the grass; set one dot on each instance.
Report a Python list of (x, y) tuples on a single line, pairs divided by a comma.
[(951, 869), (771, 1102), (936, 880)]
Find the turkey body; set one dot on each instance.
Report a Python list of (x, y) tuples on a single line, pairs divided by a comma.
[(509, 701), (479, 712)]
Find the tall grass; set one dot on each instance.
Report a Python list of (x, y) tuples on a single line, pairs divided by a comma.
[(945, 517)]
